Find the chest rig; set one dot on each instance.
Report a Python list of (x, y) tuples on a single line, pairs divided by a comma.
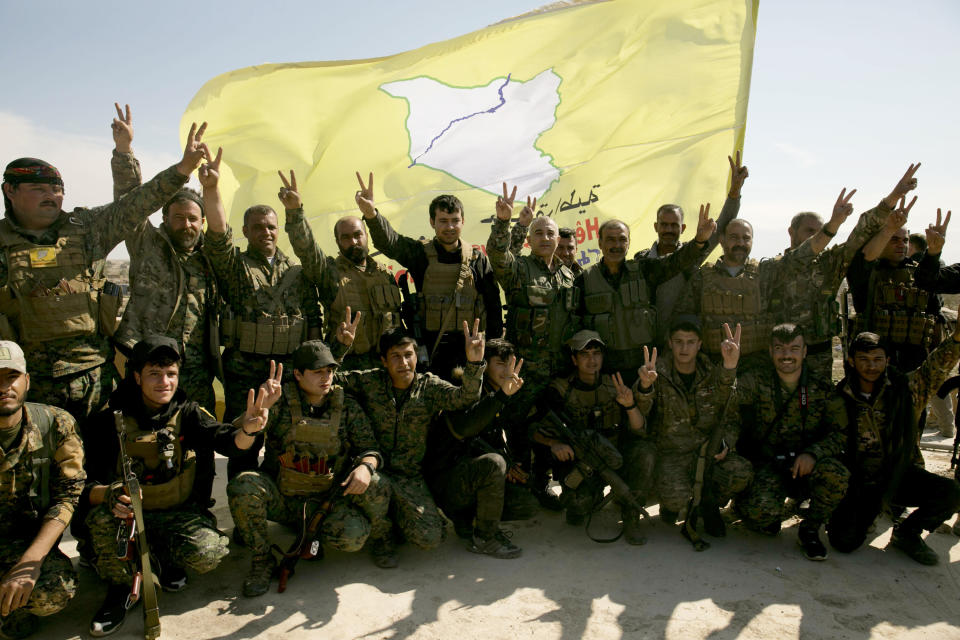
[(310, 446), (539, 312), (166, 470), (450, 290), (374, 293), (897, 309), (622, 316), (734, 299)]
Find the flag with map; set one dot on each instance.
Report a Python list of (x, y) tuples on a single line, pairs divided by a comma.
[(599, 109)]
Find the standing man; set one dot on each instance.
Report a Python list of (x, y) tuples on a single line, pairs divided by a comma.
[(794, 447), (352, 280), (669, 225), (567, 250), (684, 398), (51, 275), (41, 478), (455, 284), (877, 410), (616, 294)]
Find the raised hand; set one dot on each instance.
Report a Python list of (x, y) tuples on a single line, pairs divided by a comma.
[(209, 172), (937, 234), (526, 214), (624, 393), (842, 208), (648, 371), (738, 173), (272, 387), (288, 194), (730, 347), (347, 331), (474, 341), (513, 383), (906, 184), (122, 129), (364, 197), (256, 416), (195, 150), (705, 225), (505, 204)]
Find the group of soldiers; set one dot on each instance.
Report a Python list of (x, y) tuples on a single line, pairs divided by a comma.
[(380, 414)]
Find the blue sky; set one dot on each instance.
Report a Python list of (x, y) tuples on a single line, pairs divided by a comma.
[(844, 94)]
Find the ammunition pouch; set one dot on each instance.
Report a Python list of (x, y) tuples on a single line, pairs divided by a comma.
[(175, 491), (623, 317), (753, 337), (111, 298), (163, 486), (296, 483), (269, 335)]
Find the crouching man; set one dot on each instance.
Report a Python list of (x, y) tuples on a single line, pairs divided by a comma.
[(320, 449)]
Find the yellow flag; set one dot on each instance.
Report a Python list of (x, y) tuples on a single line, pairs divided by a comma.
[(599, 109)]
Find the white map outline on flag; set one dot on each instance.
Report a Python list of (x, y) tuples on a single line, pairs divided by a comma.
[(485, 135)]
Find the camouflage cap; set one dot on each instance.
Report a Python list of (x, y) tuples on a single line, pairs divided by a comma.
[(582, 338), (313, 354), (11, 356), (153, 348)]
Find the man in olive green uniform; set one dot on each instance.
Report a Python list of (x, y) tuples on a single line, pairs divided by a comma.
[(320, 448), (51, 273), (353, 280), (41, 477)]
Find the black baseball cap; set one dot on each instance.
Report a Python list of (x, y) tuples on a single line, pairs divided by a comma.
[(153, 348), (313, 354)]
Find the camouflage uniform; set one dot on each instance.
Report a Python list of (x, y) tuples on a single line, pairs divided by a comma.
[(255, 496), (772, 445), (47, 448), (680, 419), (811, 300), (400, 422), (172, 293), (75, 371), (340, 283), (880, 435)]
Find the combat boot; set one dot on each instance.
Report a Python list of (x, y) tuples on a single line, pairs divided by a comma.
[(808, 537), (257, 581), (383, 552), (19, 624), (497, 545), (632, 529), (912, 544), (713, 523), (112, 612)]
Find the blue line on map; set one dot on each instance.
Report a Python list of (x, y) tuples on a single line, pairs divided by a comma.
[(503, 101)]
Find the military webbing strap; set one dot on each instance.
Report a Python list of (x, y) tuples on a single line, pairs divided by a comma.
[(452, 309), (40, 460)]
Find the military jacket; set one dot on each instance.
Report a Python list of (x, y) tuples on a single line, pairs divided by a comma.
[(588, 406)]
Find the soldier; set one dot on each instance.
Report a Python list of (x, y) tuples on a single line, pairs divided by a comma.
[(163, 435), (684, 398), (51, 270), (351, 280), (616, 297), (794, 447), (271, 306), (811, 300), (173, 290), (455, 284), (566, 251), (401, 404), (41, 477), (877, 409), (469, 464), (669, 225), (594, 400), (320, 448)]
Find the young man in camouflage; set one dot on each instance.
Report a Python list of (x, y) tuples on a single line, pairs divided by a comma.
[(876, 410), (163, 435), (41, 477), (401, 405), (794, 447), (320, 448), (352, 280), (455, 283), (684, 398), (469, 464)]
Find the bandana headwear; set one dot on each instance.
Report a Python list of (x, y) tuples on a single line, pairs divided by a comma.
[(31, 170)]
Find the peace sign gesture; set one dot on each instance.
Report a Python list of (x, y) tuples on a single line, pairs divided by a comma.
[(347, 330), (905, 185), (474, 341), (273, 385), (705, 225), (364, 197), (505, 203), (937, 234), (194, 151), (122, 129), (648, 372), (288, 194), (209, 173), (513, 381), (624, 393), (526, 214), (730, 347), (841, 208), (738, 173), (256, 416)]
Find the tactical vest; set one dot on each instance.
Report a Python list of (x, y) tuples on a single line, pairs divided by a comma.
[(265, 327), (375, 294), (450, 286), (29, 474), (897, 309), (538, 315), (312, 439), (595, 409), (53, 290), (166, 470), (732, 300), (624, 317)]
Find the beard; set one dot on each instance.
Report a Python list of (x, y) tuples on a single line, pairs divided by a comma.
[(8, 411), (185, 238), (356, 255)]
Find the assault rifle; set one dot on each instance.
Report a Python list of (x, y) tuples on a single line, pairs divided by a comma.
[(132, 542), (593, 455)]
